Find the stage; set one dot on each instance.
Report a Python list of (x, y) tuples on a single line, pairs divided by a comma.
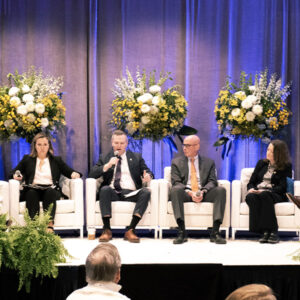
[(157, 269)]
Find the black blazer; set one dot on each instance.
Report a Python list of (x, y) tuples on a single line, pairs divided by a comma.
[(180, 172), (136, 165), (58, 167), (278, 179)]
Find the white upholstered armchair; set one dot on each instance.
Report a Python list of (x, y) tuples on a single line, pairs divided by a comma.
[(4, 197), (287, 213), (121, 210), (197, 215), (69, 212)]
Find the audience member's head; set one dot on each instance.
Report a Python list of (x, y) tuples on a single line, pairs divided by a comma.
[(252, 292), (103, 264)]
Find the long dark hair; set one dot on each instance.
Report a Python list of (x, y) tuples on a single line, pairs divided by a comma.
[(41, 135), (281, 154)]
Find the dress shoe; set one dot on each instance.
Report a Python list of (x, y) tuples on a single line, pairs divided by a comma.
[(215, 237), (181, 238), (106, 236), (273, 238), (265, 237), (295, 199), (131, 237)]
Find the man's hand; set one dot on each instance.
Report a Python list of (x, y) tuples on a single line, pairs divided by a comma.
[(146, 177), (113, 161), (196, 199), (75, 175)]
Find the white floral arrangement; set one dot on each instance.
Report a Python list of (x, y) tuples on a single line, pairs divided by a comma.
[(143, 109), (247, 110), (30, 104)]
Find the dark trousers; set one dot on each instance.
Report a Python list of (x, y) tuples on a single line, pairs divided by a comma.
[(47, 197), (216, 195), (107, 195), (262, 215)]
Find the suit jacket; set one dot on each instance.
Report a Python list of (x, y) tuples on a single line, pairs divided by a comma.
[(180, 172), (58, 167), (136, 166), (278, 179)]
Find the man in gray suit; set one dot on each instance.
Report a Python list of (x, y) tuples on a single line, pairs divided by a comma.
[(122, 172), (194, 179)]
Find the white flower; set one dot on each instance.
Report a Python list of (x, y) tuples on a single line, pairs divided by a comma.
[(15, 101), (145, 119), (30, 106), (156, 100), (250, 116), (145, 97), (25, 89), (28, 98), (31, 118), (138, 90), (154, 89), (154, 110), (22, 110), (251, 88), (13, 91), (235, 112), (252, 98), (239, 93), (8, 123), (247, 103), (40, 108), (130, 128), (145, 108), (257, 109), (44, 122)]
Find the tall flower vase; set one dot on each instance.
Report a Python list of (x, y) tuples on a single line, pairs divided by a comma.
[(252, 151)]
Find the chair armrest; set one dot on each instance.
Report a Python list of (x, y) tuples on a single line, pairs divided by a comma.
[(154, 202), (164, 187), (236, 202), (14, 199), (226, 184), (4, 191), (90, 198), (76, 189), (297, 187)]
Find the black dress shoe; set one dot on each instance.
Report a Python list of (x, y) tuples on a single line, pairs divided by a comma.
[(265, 238), (181, 238), (273, 238), (215, 237)]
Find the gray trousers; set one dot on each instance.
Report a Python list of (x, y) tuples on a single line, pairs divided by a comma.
[(107, 195), (216, 195)]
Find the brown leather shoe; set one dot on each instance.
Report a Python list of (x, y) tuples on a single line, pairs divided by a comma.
[(131, 237), (295, 199), (106, 236)]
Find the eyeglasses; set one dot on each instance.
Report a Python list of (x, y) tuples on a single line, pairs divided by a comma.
[(188, 145)]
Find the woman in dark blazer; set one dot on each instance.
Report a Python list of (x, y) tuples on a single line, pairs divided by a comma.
[(266, 187), (40, 171)]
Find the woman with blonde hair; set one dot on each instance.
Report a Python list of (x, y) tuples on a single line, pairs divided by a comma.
[(252, 292)]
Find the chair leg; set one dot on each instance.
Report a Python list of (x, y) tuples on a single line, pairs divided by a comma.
[(81, 232), (233, 233), (160, 233)]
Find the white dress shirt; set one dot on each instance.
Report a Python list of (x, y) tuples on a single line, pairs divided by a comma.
[(42, 172)]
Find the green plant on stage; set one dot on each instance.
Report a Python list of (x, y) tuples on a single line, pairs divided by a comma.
[(6, 248), (33, 251)]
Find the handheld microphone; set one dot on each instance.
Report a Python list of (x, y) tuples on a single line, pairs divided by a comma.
[(116, 153), (198, 193), (18, 173)]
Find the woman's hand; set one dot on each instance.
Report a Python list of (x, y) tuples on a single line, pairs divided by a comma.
[(254, 191), (75, 175)]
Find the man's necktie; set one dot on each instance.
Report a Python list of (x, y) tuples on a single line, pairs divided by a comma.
[(117, 185), (194, 181)]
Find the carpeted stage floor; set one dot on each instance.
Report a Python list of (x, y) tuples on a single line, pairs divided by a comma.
[(157, 269)]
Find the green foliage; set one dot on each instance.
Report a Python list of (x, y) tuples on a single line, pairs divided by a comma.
[(31, 250)]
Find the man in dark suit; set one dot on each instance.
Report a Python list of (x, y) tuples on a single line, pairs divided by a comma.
[(194, 179), (122, 172)]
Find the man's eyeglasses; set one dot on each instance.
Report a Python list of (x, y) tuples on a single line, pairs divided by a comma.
[(188, 145)]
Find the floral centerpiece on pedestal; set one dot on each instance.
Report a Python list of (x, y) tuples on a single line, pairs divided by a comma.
[(143, 109), (248, 110), (30, 104)]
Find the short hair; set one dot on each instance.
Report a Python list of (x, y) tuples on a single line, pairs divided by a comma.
[(252, 292), (103, 263), (118, 132), (281, 154), (41, 135)]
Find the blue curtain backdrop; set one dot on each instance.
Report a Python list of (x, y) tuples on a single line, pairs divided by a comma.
[(92, 42)]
